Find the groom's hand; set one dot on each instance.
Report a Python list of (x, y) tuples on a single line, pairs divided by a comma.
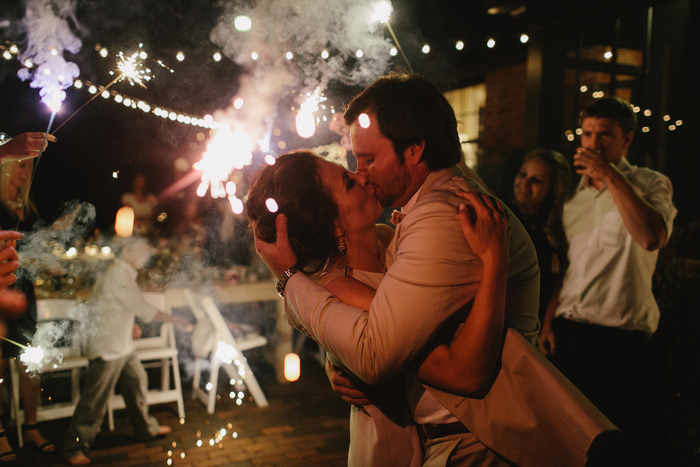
[(278, 256)]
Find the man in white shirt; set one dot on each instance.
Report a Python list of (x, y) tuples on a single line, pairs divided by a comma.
[(618, 218)]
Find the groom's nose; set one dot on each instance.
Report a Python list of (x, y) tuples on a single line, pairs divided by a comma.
[(361, 177)]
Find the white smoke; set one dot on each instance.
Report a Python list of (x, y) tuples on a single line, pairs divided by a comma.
[(305, 28), (49, 35)]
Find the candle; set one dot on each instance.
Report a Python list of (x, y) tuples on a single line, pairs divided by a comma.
[(292, 367), (124, 223)]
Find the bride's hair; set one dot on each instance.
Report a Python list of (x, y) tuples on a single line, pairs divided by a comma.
[(294, 183)]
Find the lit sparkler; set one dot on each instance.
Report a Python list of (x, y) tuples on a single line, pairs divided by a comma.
[(305, 119), (133, 68), (36, 358), (226, 353), (381, 14), (227, 151)]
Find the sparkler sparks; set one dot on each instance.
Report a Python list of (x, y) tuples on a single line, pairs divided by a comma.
[(305, 120), (133, 68), (36, 358), (227, 151)]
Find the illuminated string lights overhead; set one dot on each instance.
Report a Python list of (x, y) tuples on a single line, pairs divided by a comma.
[(131, 68), (645, 126)]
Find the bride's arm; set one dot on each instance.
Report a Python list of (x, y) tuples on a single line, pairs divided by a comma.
[(466, 366)]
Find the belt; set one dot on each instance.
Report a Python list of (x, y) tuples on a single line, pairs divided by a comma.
[(431, 431)]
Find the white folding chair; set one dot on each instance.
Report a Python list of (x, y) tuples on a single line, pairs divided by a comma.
[(237, 370), (50, 311), (159, 350)]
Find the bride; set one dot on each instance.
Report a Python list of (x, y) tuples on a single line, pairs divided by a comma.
[(329, 215)]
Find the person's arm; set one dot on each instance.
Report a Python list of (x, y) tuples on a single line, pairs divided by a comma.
[(467, 364), (24, 146), (548, 341), (182, 323), (642, 220)]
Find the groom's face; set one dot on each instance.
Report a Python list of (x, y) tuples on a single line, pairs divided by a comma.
[(387, 177)]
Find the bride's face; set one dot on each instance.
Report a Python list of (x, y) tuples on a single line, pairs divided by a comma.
[(357, 205)]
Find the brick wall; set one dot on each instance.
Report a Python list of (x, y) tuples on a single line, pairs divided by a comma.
[(504, 114)]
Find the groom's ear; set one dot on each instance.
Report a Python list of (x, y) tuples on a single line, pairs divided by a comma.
[(413, 154)]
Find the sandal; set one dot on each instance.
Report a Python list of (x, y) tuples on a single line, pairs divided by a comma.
[(46, 446), (7, 456)]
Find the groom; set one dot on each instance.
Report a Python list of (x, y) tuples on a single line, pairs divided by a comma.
[(404, 136)]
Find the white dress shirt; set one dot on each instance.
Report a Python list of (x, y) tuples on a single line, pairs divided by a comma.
[(609, 278)]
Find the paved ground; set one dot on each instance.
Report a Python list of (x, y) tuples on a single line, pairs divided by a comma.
[(305, 425)]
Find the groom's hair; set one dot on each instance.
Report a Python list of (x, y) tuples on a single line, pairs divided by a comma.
[(410, 109), (294, 183)]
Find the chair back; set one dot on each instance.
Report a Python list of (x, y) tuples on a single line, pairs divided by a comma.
[(59, 326)]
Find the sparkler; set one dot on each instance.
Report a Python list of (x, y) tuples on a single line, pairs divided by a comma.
[(305, 120), (382, 11), (227, 151), (36, 358), (131, 68)]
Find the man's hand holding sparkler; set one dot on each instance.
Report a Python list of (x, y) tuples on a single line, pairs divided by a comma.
[(24, 146)]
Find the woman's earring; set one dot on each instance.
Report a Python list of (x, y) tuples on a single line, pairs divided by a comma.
[(342, 246)]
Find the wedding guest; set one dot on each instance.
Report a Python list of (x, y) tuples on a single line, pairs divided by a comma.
[(598, 328), (143, 203), (113, 307), (18, 211), (540, 188)]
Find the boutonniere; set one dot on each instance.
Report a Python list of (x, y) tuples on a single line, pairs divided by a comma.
[(397, 216)]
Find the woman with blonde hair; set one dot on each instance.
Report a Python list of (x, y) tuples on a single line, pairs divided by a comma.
[(19, 212)]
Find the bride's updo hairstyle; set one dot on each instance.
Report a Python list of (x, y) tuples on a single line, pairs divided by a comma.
[(294, 183)]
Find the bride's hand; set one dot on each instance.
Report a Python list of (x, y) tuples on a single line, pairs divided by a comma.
[(278, 256), (485, 225)]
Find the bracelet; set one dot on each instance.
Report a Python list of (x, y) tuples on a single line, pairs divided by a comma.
[(282, 282)]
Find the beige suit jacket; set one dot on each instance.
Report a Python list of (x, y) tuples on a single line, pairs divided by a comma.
[(432, 276), (532, 415)]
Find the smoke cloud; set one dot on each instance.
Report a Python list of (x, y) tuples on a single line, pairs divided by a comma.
[(49, 35), (304, 28)]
